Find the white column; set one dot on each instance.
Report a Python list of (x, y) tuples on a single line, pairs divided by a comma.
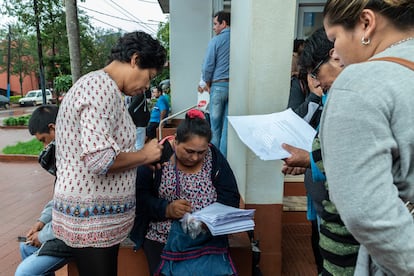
[(190, 32), (262, 34)]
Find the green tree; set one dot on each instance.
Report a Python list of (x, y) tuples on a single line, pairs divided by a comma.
[(22, 52), (163, 35)]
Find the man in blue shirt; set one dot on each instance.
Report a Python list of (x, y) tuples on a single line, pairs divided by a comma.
[(158, 112), (215, 72)]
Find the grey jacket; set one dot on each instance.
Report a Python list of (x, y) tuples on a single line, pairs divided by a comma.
[(368, 151)]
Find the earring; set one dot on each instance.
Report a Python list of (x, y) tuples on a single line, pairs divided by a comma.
[(365, 41)]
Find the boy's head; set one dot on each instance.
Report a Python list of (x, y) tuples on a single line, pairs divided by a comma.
[(42, 123)]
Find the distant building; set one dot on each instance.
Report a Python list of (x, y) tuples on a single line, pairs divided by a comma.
[(30, 82)]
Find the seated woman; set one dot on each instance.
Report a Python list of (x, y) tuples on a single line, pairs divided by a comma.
[(195, 176)]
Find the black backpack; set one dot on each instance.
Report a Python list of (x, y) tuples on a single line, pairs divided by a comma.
[(139, 111)]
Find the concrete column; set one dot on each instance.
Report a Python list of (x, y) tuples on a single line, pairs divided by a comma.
[(262, 34), (190, 32)]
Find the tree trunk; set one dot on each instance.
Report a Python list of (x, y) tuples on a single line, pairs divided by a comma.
[(72, 27)]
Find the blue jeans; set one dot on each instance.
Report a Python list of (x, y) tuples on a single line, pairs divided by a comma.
[(33, 264), (139, 143), (218, 107)]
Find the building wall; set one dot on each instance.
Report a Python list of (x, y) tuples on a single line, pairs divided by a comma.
[(29, 83), (190, 32)]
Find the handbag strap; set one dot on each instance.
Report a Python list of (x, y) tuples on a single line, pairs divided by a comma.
[(401, 61)]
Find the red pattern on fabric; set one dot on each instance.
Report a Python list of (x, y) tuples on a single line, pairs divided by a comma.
[(197, 188), (92, 118)]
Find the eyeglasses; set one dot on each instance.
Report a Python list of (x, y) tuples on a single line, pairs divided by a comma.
[(315, 70)]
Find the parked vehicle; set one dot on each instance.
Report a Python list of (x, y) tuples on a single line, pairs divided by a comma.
[(4, 102), (34, 97)]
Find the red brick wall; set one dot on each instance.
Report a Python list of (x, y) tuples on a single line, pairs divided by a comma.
[(29, 83)]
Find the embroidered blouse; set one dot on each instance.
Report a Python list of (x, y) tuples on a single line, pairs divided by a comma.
[(92, 208), (197, 188)]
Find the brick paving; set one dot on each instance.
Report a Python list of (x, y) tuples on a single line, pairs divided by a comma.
[(24, 190)]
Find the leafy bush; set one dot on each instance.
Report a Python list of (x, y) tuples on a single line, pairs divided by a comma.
[(17, 121), (32, 147), (15, 99), (62, 83)]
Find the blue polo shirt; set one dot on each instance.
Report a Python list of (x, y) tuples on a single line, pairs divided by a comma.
[(161, 104)]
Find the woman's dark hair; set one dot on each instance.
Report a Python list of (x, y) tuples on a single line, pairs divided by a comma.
[(151, 54), (193, 125), (316, 49), (41, 118), (297, 43), (346, 13)]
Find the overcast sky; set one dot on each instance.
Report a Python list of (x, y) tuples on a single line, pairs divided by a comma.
[(126, 15)]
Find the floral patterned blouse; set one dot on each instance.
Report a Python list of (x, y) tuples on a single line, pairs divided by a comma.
[(197, 188), (90, 209)]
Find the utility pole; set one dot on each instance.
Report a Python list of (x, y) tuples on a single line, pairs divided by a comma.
[(8, 63), (72, 27), (39, 51)]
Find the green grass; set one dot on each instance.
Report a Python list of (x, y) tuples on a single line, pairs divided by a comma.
[(32, 147), (17, 121)]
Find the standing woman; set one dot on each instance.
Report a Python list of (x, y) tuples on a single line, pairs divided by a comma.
[(94, 199), (367, 136)]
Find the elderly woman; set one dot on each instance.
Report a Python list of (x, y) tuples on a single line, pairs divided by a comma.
[(94, 198), (366, 130)]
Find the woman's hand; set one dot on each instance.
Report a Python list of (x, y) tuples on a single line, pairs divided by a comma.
[(314, 86), (298, 158), (292, 170), (177, 209), (152, 151)]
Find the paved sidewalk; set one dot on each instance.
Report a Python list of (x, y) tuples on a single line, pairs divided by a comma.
[(9, 137), (24, 190)]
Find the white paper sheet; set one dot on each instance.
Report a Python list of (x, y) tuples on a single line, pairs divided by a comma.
[(265, 134), (222, 219)]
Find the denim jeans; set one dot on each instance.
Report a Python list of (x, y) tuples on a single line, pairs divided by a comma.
[(219, 102), (33, 264), (139, 143)]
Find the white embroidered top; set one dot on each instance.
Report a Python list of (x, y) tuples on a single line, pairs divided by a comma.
[(90, 209)]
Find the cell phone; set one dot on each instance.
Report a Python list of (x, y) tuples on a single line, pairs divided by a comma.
[(21, 239)]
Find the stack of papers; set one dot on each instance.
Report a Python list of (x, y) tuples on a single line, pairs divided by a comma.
[(265, 134), (222, 219)]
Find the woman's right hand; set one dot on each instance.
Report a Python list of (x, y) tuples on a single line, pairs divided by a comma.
[(152, 151), (177, 209)]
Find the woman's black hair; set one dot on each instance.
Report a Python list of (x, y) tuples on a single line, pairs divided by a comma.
[(193, 126), (316, 49), (151, 54)]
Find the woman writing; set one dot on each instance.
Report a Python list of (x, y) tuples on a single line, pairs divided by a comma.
[(366, 134), (94, 198), (195, 176)]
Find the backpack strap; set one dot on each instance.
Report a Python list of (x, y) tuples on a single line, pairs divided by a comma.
[(401, 61)]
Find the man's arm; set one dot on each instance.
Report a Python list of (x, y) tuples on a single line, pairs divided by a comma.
[(209, 63)]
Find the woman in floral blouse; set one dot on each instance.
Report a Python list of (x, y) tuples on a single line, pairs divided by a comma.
[(94, 198), (195, 176)]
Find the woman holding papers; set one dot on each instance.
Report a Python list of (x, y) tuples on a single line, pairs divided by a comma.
[(195, 176)]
